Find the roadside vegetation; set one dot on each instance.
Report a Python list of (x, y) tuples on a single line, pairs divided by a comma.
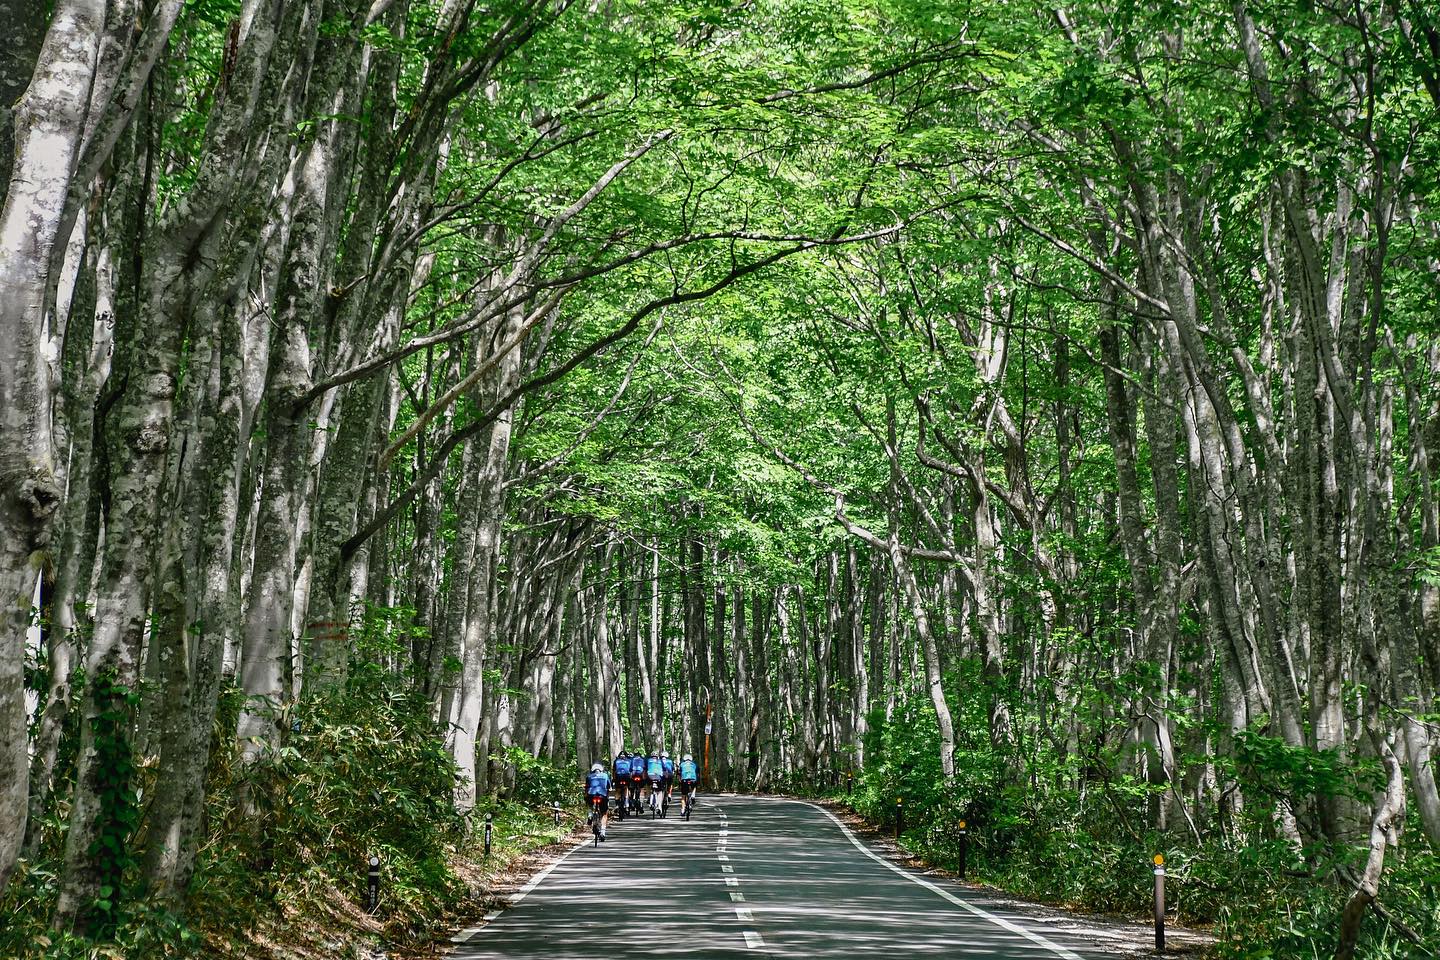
[(363, 774)]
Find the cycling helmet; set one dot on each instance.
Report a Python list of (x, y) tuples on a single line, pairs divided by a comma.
[(597, 768), (622, 753), (688, 759), (665, 754)]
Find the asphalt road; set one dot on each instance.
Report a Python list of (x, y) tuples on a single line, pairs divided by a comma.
[(750, 877)]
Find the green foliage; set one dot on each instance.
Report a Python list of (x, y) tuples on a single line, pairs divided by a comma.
[(118, 812), (1062, 833), (364, 773), (537, 781)]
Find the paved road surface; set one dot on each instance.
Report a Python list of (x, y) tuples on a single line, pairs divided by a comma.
[(750, 877)]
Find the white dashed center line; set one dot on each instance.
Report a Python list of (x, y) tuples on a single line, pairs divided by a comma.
[(742, 914)]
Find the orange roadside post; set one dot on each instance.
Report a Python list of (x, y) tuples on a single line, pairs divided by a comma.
[(709, 712)]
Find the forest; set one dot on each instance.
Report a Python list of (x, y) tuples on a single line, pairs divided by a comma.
[(1018, 412)]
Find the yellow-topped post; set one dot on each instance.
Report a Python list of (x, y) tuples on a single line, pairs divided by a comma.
[(964, 848), (1159, 903)]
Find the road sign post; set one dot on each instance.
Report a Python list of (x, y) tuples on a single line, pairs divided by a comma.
[(372, 887), (964, 848), (709, 725), (556, 808), (489, 831), (899, 817), (1159, 903)]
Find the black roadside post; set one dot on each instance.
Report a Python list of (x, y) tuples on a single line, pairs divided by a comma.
[(556, 807), (489, 829), (964, 848), (372, 892), (1159, 903), (899, 817)]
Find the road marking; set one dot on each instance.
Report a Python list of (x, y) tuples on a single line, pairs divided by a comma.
[(726, 868), (464, 935), (731, 882), (1001, 922), (752, 940), (737, 896), (743, 913), (723, 858)]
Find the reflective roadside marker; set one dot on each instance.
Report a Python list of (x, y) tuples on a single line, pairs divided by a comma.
[(1159, 903)]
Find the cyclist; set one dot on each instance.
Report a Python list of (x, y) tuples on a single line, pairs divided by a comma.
[(597, 787), (669, 766), (655, 773), (637, 779), (621, 770), (688, 778)]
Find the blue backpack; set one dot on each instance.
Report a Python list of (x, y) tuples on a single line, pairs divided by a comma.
[(622, 767), (654, 769), (597, 785), (687, 770), (669, 766)]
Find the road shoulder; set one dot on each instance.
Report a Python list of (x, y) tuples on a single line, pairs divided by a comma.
[(1114, 935)]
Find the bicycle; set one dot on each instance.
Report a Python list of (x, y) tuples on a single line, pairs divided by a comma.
[(636, 807), (595, 818), (622, 802), (657, 803), (687, 799)]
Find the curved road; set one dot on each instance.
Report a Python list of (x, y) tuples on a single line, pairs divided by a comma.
[(750, 877)]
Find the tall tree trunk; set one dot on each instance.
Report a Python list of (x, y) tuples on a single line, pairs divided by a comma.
[(48, 126)]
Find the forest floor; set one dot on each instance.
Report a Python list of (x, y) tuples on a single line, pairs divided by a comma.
[(1118, 935), (327, 923)]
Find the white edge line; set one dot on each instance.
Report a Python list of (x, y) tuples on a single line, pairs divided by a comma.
[(536, 880), (985, 914), (464, 935)]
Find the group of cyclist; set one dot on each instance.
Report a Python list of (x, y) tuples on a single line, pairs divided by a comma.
[(630, 774)]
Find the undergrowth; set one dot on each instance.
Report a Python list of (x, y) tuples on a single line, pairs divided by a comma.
[(282, 872), (1037, 834)]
